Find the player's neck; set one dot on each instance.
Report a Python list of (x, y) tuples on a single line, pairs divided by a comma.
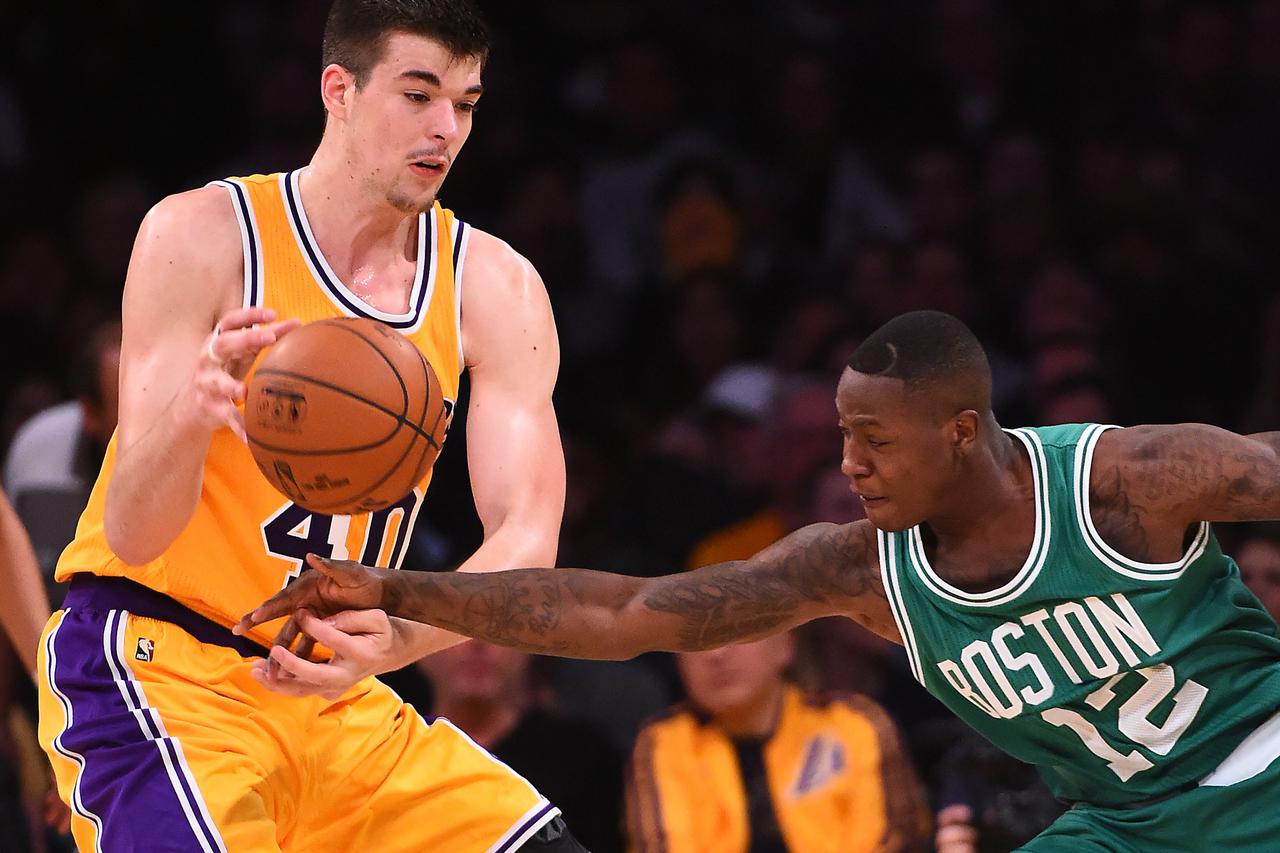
[(991, 489), (353, 228)]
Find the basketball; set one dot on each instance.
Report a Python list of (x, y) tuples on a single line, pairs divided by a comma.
[(344, 416)]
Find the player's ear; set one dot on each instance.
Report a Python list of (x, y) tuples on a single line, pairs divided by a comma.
[(336, 86), (964, 430)]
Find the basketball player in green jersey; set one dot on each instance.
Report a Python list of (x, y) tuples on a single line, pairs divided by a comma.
[(1059, 588)]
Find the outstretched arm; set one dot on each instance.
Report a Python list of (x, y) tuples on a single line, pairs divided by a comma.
[(820, 570)]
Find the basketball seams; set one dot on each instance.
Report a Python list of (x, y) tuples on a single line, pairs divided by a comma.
[(338, 389), (416, 430), (404, 391)]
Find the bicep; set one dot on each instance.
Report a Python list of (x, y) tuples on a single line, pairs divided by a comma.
[(179, 281), (1194, 472), (514, 452)]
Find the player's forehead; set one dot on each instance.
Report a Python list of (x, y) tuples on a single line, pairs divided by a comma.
[(863, 399), (409, 55)]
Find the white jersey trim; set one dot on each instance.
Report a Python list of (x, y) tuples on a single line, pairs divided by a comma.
[(1109, 556), (339, 294), (461, 239), (898, 606), (1254, 754), (251, 242), (175, 762)]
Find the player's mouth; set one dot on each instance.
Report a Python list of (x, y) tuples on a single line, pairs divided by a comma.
[(432, 167), (869, 499)]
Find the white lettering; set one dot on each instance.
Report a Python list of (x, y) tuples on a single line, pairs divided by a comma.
[(1036, 620), (979, 650), (1122, 624), (1107, 666), (955, 677), (999, 639)]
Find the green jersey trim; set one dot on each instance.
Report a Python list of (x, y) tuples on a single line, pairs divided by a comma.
[(1109, 556), (889, 575), (1031, 567)]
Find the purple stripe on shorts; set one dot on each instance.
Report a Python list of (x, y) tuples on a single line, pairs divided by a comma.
[(517, 835), (124, 779)]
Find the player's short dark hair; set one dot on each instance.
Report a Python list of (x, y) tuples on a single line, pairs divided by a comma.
[(928, 350), (357, 30)]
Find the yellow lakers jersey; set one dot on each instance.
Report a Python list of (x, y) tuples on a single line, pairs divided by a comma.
[(837, 777), (246, 540)]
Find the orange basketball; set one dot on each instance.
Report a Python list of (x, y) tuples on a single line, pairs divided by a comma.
[(344, 416)]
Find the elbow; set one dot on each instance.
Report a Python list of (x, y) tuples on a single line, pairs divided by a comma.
[(125, 544), (128, 551)]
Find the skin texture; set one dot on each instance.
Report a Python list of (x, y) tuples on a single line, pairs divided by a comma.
[(957, 474), (363, 192)]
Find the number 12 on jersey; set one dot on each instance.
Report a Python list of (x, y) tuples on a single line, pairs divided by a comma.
[(291, 533)]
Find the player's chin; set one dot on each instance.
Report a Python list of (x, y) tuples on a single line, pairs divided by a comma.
[(885, 515)]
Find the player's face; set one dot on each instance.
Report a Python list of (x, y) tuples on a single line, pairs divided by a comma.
[(897, 455), (736, 679), (411, 118)]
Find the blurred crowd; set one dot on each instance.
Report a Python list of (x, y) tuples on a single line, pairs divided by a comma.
[(722, 201)]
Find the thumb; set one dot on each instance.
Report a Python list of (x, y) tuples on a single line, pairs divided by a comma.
[(326, 567)]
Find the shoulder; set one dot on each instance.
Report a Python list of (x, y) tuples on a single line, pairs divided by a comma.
[(202, 216), (191, 238), (498, 270), (506, 313)]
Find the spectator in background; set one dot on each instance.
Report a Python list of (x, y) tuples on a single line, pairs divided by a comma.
[(754, 763), (772, 455), (55, 456), (493, 694), (1258, 556), (25, 778)]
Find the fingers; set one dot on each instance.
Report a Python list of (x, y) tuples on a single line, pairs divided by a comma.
[(283, 603), (242, 318), (359, 622), (306, 646), (225, 346), (339, 639)]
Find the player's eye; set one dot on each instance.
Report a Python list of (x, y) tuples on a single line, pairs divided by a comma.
[(468, 106), (416, 97)]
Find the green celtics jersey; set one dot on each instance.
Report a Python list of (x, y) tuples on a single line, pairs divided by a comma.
[(1121, 680)]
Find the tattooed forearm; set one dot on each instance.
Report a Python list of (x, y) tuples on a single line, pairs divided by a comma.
[(546, 611), (817, 571)]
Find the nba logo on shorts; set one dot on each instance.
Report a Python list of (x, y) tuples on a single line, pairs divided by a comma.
[(145, 649)]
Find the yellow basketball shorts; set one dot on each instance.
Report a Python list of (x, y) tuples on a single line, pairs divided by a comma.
[(162, 742)]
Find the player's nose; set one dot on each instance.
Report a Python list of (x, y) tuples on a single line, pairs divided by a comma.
[(443, 121), (855, 467)]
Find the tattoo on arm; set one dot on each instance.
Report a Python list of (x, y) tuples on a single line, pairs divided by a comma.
[(819, 570), (1158, 480)]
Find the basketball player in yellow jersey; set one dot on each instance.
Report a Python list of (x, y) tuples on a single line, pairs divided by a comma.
[(162, 732)]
